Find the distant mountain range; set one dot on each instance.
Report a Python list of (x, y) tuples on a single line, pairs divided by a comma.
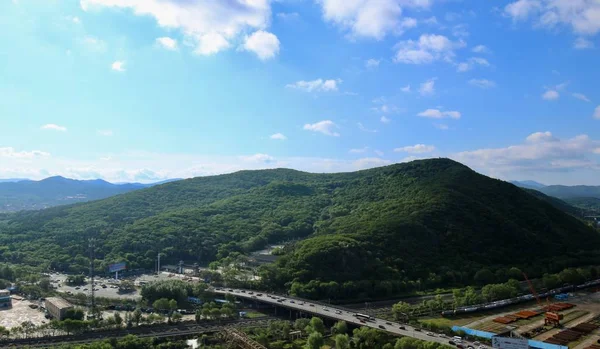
[(585, 197), (25, 194)]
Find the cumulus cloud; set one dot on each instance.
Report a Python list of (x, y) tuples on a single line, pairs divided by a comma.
[(118, 66), (318, 85), (416, 149), (385, 120), (372, 63), (582, 44), (264, 44), (550, 95), (481, 49), (471, 63), (278, 136), (167, 43), (581, 16), (597, 113), (541, 151), (10, 152), (54, 127), (258, 158), (429, 48), (482, 83), (428, 87), (438, 114), (581, 97), (325, 127), (211, 26), (370, 18), (358, 150), (93, 44), (405, 89)]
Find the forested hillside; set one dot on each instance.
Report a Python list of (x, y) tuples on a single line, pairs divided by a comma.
[(402, 227)]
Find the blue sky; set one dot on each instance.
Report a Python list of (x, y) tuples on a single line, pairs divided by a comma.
[(142, 90)]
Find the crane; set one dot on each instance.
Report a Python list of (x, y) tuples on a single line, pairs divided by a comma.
[(550, 318)]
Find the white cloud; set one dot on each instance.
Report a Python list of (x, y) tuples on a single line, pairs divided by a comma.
[(480, 49), (54, 127), (318, 85), (287, 16), (460, 31), (264, 44), (370, 18), (582, 44), (471, 63), (428, 87), (385, 120), (325, 127), (93, 44), (363, 128), (258, 158), (386, 109), (429, 48), (372, 63), (482, 83), (405, 88), (416, 149), (443, 127), (539, 137), (359, 150), (551, 95), (582, 16), (541, 152), (105, 133), (167, 43), (438, 114), (210, 25), (118, 66), (10, 152), (278, 136), (581, 96), (365, 163), (597, 113)]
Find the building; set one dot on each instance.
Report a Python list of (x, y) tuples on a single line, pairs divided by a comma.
[(5, 300), (57, 307)]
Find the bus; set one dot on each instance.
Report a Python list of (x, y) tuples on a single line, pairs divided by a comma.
[(364, 317)]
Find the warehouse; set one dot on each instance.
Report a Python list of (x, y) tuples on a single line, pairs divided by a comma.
[(5, 300), (57, 307)]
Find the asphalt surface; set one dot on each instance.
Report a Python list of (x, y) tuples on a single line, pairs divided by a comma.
[(337, 313)]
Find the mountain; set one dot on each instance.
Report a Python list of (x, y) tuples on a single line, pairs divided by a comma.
[(592, 205), (528, 184), (9, 180), (424, 224), (54, 191), (569, 192)]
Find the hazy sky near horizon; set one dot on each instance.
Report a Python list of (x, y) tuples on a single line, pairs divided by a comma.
[(143, 90)]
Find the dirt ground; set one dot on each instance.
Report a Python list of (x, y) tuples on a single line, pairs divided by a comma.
[(19, 313)]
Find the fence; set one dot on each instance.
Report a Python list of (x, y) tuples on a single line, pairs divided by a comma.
[(489, 335)]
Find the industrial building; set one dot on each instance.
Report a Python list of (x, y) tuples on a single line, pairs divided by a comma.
[(5, 300), (57, 307)]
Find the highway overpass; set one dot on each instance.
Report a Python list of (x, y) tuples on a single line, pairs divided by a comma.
[(333, 312)]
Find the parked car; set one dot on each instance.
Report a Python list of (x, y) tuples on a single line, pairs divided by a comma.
[(402, 328), (382, 327), (451, 343)]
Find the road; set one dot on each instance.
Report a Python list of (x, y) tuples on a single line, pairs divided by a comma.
[(336, 313)]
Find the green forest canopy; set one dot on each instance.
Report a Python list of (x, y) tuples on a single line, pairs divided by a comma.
[(424, 223)]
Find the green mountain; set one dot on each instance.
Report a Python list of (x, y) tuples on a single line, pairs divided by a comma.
[(591, 205), (17, 195), (386, 230), (568, 192)]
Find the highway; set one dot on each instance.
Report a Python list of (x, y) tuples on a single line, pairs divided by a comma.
[(337, 313)]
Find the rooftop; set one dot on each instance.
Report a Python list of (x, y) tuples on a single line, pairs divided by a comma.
[(59, 302)]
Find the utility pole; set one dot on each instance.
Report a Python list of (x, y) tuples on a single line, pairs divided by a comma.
[(158, 267)]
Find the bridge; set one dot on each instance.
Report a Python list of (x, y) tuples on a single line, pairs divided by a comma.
[(335, 313)]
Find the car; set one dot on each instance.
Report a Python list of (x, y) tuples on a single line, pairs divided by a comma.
[(259, 294), (460, 346), (292, 301), (77, 288), (451, 343), (325, 309), (476, 343), (338, 312), (249, 292), (470, 347), (382, 327), (230, 290), (482, 347), (417, 329), (363, 321), (301, 303), (402, 328), (85, 289), (430, 334), (388, 323), (312, 305), (243, 291)]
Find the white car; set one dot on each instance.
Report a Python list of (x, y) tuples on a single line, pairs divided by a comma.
[(325, 309)]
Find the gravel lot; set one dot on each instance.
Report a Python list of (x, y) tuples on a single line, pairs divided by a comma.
[(21, 312)]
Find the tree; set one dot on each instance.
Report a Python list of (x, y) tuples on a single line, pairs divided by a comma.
[(515, 273), (401, 311), (215, 313), (4, 332), (45, 284), (316, 325), (118, 320), (484, 277), (198, 315), (137, 316), (126, 286), (74, 314), (161, 305), (314, 341), (176, 317), (340, 327), (172, 305), (301, 324), (342, 341)]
